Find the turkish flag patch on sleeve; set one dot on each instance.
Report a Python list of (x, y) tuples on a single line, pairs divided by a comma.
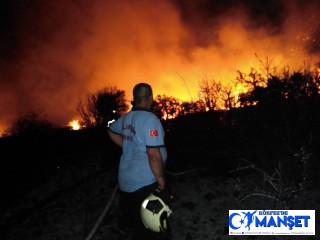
[(153, 133)]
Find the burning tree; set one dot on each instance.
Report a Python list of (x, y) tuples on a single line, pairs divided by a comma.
[(166, 107), (210, 93), (218, 96)]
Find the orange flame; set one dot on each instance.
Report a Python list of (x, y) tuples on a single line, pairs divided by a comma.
[(75, 125), (2, 130), (121, 43)]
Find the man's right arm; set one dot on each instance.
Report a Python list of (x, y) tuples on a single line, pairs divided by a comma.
[(157, 166), (116, 138)]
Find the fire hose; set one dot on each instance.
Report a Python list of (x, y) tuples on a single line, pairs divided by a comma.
[(104, 212)]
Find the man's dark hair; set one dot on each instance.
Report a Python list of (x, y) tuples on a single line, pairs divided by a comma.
[(141, 92)]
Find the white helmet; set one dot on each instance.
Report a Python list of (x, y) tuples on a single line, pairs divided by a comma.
[(155, 213)]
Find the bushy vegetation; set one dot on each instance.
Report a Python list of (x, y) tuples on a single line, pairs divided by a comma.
[(269, 125), (102, 106), (30, 124)]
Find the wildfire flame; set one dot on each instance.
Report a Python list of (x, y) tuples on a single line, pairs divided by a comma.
[(2, 130), (75, 125), (120, 43)]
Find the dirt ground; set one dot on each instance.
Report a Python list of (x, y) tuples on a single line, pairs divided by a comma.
[(68, 206)]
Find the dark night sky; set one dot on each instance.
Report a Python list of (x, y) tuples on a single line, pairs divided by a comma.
[(52, 53)]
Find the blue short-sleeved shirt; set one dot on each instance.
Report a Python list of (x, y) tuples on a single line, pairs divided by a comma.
[(141, 129)]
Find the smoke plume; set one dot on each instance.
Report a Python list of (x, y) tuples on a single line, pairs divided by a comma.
[(53, 53)]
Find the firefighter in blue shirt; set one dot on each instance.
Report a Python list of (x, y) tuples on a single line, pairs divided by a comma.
[(142, 164)]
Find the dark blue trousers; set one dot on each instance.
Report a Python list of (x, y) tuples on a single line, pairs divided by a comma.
[(130, 204)]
